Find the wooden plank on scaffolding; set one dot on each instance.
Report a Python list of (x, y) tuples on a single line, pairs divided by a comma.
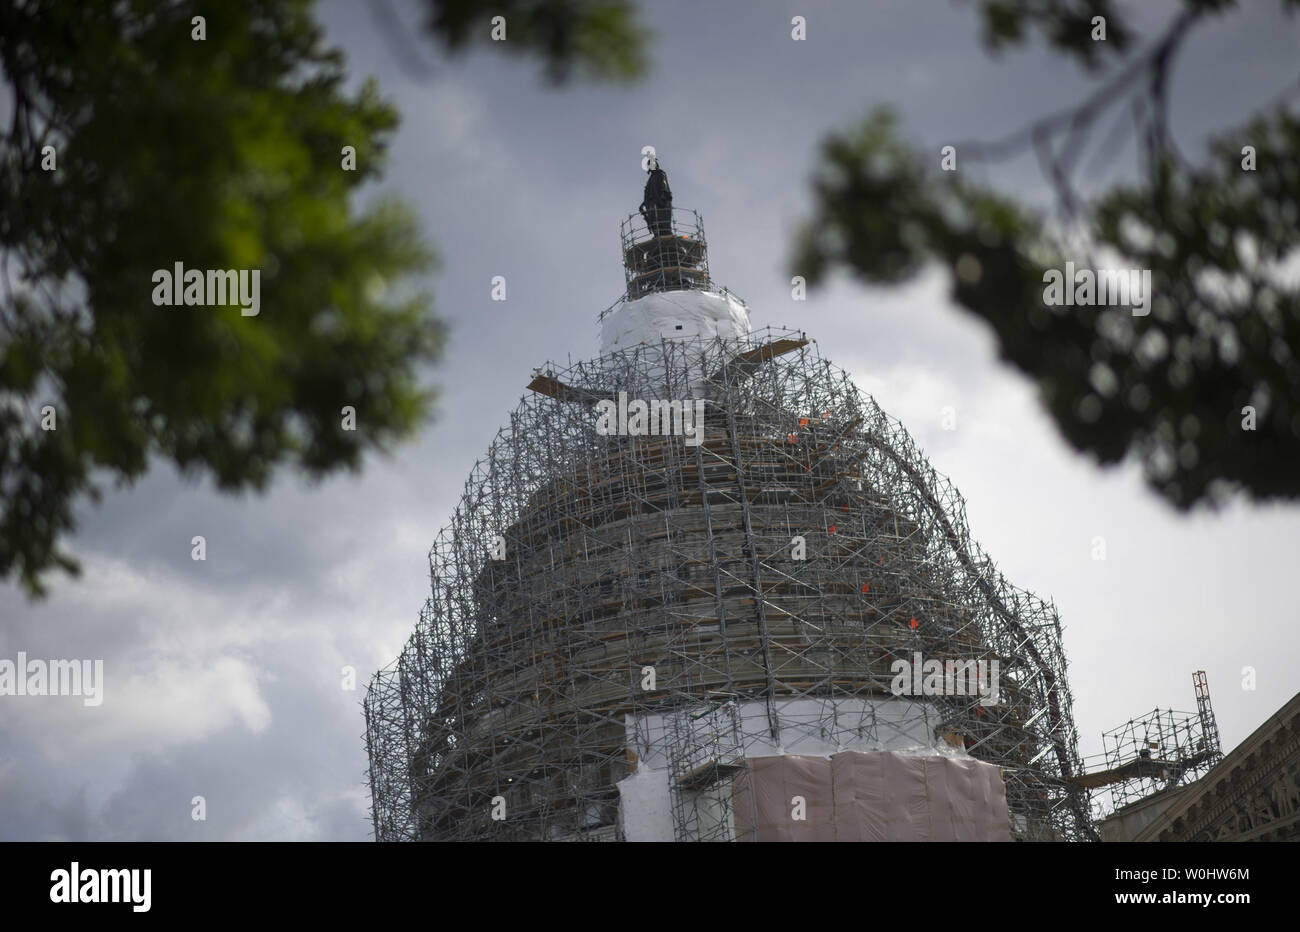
[(748, 361), (549, 385), (710, 772)]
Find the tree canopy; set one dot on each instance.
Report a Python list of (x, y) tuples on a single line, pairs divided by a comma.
[(1204, 387), (219, 136)]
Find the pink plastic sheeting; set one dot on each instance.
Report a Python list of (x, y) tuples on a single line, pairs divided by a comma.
[(871, 796)]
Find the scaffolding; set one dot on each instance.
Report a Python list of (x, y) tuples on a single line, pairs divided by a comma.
[(1155, 753), (676, 260), (606, 605), (593, 595), (707, 751)]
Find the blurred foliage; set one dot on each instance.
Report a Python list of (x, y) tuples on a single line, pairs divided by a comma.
[(219, 154), (1066, 25), (599, 39), (1223, 331)]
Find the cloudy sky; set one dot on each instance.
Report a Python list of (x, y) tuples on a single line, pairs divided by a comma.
[(224, 677)]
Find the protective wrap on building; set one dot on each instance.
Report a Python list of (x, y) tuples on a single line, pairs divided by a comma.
[(870, 796), (674, 315)]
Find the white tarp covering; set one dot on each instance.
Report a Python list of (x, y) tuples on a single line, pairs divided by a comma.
[(811, 725), (645, 806), (668, 315)]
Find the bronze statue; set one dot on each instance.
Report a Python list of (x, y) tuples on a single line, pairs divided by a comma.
[(657, 204)]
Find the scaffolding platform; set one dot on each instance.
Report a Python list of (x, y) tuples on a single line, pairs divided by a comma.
[(673, 261)]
